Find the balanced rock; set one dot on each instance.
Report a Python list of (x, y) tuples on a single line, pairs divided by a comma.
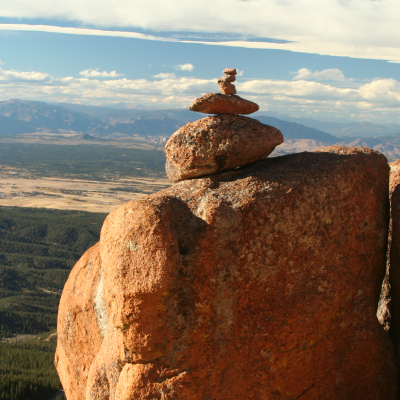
[(217, 143), (227, 78), (230, 71), (218, 103), (227, 88), (257, 283)]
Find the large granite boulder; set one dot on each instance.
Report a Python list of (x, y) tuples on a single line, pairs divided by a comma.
[(218, 143), (257, 283), (393, 296), (81, 325), (384, 313)]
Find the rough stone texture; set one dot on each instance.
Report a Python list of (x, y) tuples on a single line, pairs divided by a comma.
[(213, 144), (230, 71), (79, 330), (227, 78), (384, 313), (218, 103), (256, 284), (227, 88), (394, 246)]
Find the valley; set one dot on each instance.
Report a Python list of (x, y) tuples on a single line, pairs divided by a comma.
[(75, 194)]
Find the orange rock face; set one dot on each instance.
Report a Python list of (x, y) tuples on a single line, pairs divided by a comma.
[(218, 143), (217, 103), (394, 267), (384, 313), (258, 283), (80, 325)]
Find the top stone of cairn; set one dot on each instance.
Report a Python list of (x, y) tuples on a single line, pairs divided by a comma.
[(230, 71), (226, 103)]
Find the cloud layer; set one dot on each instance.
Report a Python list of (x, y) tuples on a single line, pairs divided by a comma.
[(95, 73), (376, 100), (332, 74), (356, 28)]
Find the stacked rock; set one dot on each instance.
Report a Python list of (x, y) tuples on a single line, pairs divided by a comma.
[(225, 83), (220, 142)]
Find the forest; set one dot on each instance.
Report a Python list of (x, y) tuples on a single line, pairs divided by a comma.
[(38, 248)]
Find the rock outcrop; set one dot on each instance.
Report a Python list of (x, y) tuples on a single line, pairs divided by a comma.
[(256, 283), (217, 143), (81, 324), (394, 266), (384, 313)]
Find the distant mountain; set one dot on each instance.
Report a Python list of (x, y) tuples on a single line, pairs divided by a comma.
[(154, 126), (341, 129), (292, 130), (11, 126), (108, 114), (45, 116), (388, 145), (109, 122)]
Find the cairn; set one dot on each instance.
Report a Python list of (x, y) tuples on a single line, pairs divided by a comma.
[(220, 142)]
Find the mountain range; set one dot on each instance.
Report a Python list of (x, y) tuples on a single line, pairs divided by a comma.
[(91, 122), (341, 128)]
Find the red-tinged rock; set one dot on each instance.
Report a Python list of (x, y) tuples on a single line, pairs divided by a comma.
[(258, 283), (81, 324), (384, 312), (218, 103), (227, 88), (394, 264), (227, 78), (230, 71), (218, 143)]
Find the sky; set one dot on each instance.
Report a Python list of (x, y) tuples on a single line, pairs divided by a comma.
[(330, 60)]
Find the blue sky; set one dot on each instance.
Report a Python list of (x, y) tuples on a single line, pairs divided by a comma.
[(327, 60)]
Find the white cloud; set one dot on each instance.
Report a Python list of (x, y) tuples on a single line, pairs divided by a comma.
[(297, 42), (164, 75), (185, 67), (14, 76), (334, 27), (95, 73), (332, 74), (379, 98)]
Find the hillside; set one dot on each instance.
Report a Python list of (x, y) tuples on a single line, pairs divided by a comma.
[(292, 130), (340, 128), (44, 116), (38, 247)]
